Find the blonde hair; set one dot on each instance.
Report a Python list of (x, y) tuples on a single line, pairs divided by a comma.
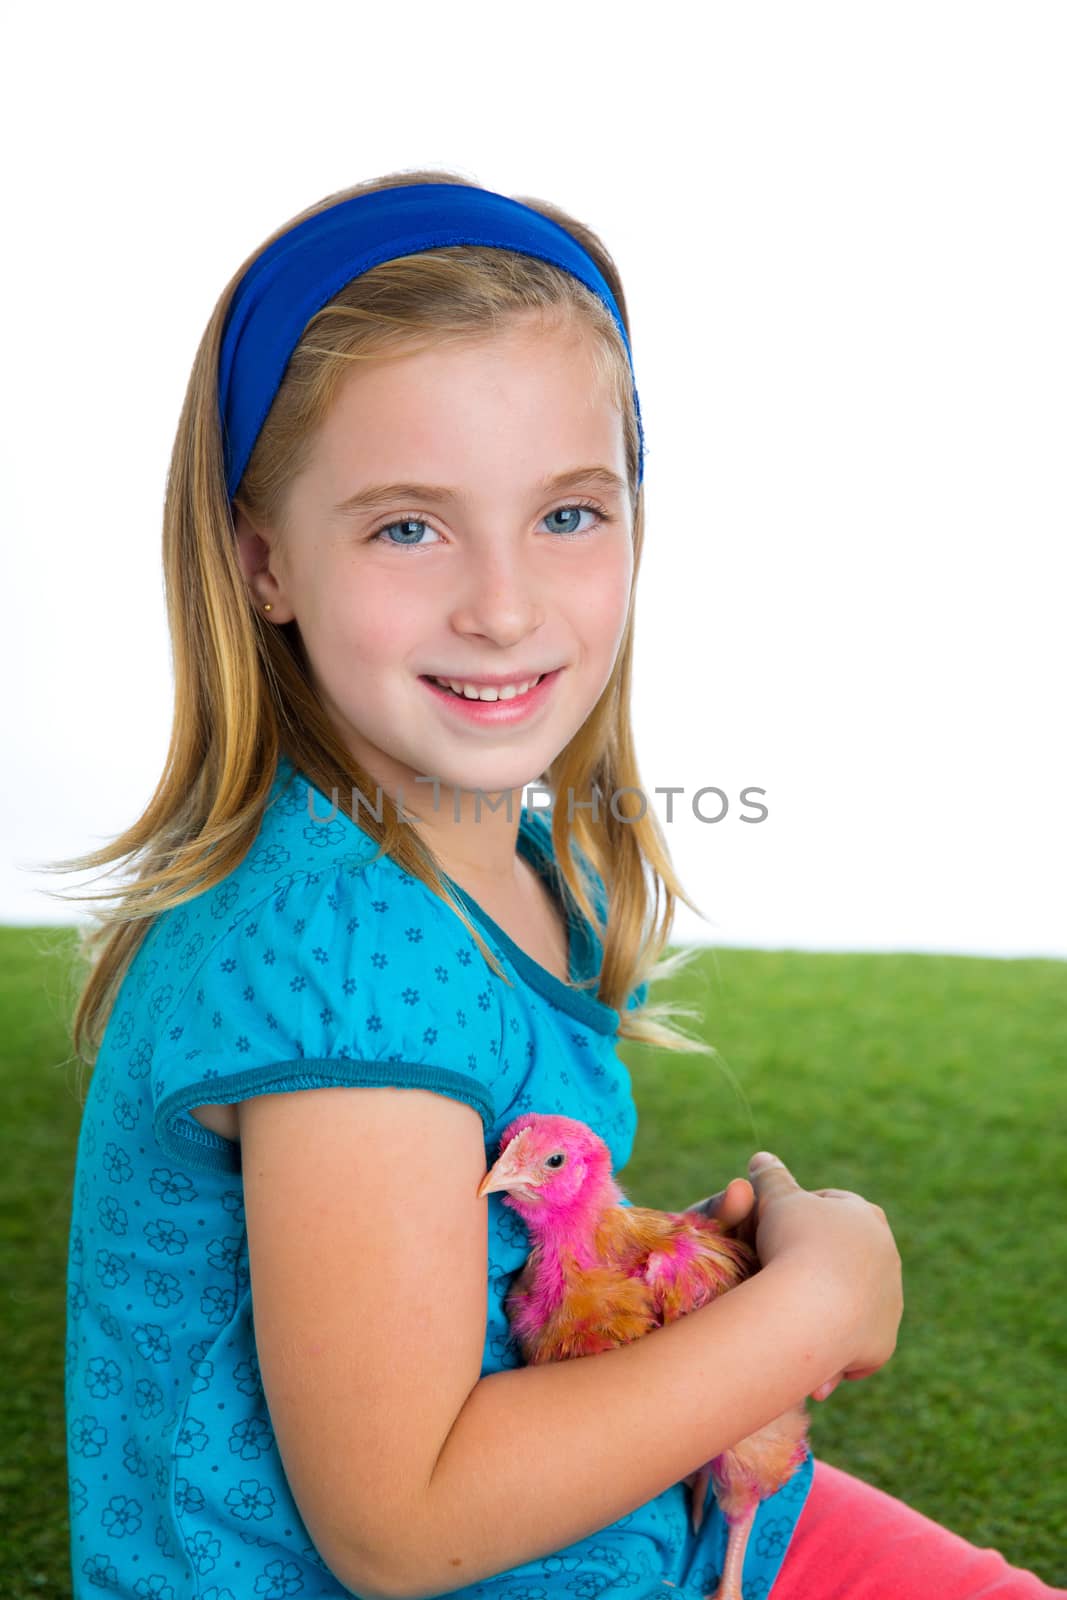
[(242, 691)]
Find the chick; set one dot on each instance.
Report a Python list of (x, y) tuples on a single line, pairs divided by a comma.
[(600, 1274)]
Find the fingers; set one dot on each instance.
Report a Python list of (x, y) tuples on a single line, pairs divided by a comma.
[(735, 1203), (731, 1205), (764, 1165), (826, 1389), (769, 1176), (850, 1194)]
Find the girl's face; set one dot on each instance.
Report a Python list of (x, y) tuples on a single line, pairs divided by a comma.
[(493, 572)]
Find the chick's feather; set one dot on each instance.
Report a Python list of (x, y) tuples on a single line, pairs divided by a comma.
[(643, 1268)]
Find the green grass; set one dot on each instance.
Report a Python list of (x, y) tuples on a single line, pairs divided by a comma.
[(935, 1086), (931, 1084)]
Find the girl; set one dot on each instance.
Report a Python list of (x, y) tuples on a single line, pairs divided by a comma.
[(401, 536)]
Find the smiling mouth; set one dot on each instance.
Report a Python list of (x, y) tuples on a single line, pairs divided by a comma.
[(487, 696)]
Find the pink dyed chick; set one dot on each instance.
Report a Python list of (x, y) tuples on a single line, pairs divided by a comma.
[(600, 1274)]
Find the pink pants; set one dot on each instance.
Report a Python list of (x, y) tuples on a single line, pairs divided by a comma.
[(854, 1542)]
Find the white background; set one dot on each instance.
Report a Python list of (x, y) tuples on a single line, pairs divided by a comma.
[(842, 235)]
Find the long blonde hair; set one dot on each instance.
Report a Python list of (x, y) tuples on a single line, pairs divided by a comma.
[(242, 694)]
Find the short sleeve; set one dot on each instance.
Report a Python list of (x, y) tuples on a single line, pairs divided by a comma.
[(347, 976)]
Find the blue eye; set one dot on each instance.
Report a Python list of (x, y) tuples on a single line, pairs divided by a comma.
[(412, 525), (570, 511), (407, 523)]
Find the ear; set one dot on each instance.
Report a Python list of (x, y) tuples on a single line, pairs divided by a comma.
[(256, 556)]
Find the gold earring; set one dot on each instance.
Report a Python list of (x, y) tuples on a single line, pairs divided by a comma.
[(266, 608)]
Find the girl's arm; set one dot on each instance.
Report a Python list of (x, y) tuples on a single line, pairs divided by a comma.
[(540, 1457), (416, 1476)]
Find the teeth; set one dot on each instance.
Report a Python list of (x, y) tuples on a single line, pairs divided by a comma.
[(470, 691)]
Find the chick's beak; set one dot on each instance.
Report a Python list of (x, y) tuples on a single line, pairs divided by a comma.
[(507, 1172)]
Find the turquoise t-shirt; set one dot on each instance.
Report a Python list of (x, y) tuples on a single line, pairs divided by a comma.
[(309, 966)]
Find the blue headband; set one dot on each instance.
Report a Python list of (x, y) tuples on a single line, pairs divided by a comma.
[(304, 268)]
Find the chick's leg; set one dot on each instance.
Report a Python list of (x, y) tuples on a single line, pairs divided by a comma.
[(747, 1474), (730, 1581)]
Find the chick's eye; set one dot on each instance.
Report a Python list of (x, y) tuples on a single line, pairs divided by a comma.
[(555, 1160)]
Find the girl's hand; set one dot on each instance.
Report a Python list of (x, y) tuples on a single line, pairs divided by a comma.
[(734, 1208), (846, 1243), (826, 1389)]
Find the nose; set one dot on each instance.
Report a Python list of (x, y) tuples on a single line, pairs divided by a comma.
[(499, 597)]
